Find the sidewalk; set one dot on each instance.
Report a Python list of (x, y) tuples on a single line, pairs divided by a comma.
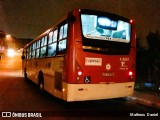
[(147, 99)]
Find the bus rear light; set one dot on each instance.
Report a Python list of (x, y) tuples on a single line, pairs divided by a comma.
[(79, 73), (131, 21), (130, 73), (131, 76)]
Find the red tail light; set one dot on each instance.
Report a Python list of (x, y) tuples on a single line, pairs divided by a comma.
[(131, 21), (130, 73), (79, 73)]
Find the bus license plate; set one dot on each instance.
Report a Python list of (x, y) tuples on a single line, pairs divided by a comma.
[(108, 74)]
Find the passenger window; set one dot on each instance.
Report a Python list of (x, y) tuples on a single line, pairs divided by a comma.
[(61, 33), (62, 42), (30, 55), (27, 53), (45, 40), (55, 35), (62, 45), (50, 37), (52, 49), (37, 53), (42, 42), (52, 45), (38, 43), (43, 52), (33, 54), (43, 49), (65, 30), (37, 46)]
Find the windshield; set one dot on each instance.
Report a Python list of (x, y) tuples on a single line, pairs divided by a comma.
[(105, 28)]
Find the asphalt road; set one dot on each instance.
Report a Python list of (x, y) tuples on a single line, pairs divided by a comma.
[(19, 97)]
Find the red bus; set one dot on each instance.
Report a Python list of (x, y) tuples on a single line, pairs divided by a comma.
[(89, 55)]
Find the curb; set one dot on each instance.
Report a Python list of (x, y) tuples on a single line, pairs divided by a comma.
[(143, 102)]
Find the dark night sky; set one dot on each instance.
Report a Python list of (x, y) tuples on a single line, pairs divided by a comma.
[(29, 18)]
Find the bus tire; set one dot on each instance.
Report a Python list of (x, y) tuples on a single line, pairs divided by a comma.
[(41, 82)]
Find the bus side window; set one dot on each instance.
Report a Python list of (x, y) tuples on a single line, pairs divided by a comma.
[(43, 52), (27, 54), (37, 53), (33, 50), (37, 49), (52, 44), (30, 50), (43, 49), (62, 45), (33, 54), (62, 39), (52, 49)]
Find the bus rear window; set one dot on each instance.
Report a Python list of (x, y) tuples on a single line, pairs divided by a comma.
[(105, 28)]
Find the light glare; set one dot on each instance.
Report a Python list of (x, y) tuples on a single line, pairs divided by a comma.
[(10, 52), (130, 73)]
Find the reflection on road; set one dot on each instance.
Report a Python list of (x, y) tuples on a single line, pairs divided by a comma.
[(13, 74)]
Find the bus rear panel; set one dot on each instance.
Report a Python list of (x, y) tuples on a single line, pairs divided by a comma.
[(104, 60)]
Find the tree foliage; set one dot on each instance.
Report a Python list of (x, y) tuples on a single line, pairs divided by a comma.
[(154, 45), (148, 60)]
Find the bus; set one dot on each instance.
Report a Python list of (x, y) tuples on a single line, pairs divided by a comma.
[(88, 55)]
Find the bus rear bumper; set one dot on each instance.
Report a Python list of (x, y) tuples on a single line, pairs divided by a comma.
[(82, 92)]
